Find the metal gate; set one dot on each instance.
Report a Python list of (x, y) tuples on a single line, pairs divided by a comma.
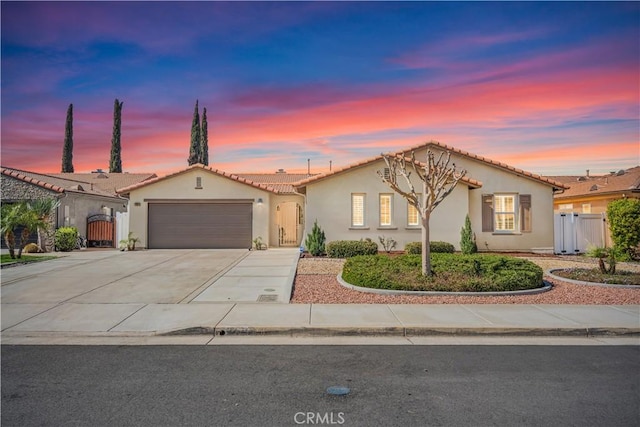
[(101, 231), (574, 233)]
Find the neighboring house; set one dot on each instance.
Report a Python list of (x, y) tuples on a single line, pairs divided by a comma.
[(80, 195), (201, 207), (591, 194)]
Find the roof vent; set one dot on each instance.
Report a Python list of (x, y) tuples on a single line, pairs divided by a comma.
[(582, 178), (102, 176), (281, 171), (77, 187), (594, 187), (620, 172), (97, 171)]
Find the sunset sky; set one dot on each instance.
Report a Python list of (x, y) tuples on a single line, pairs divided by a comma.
[(552, 88)]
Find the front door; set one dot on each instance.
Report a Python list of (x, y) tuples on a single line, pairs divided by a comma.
[(288, 219)]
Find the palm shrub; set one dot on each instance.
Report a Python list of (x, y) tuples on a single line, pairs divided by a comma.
[(604, 253), (66, 238), (44, 209), (9, 221), (315, 240), (624, 223), (468, 238)]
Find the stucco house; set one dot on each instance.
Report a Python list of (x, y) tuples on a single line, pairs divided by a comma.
[(80, 195), (589, 194), (202, 207)]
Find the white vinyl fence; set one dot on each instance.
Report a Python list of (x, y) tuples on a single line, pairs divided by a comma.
[(574, 233), (122, 227)]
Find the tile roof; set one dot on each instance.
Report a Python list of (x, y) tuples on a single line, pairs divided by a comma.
[(54, 183), (108, 182), (469, 181), (281, 181), (622, 181), (218, 172), (500, 165)]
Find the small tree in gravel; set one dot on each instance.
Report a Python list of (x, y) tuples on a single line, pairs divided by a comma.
[(468, 238), (315, 240)]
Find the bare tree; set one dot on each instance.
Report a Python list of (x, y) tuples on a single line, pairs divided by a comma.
[(439, 177)]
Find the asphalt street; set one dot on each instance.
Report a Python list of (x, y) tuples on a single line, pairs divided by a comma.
[(287, 385)]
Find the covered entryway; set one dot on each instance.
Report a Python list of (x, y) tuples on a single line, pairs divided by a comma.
[(288, 216), (214, 224)]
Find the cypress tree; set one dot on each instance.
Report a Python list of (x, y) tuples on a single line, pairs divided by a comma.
[(204, 139), (194, 150), (115, 163), (67, 150)]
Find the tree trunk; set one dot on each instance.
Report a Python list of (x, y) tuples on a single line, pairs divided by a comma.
[(10, 240), (426, 247)]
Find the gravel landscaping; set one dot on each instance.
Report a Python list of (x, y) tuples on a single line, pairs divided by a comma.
[(316, 283)]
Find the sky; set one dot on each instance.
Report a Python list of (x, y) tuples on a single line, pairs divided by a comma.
[(551, 88)]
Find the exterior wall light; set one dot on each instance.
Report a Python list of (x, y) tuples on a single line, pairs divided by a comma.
[(260, 201)]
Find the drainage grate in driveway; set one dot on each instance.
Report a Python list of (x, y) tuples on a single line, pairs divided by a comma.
[(268, 298)]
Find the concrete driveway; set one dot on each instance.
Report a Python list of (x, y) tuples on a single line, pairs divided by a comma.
[(153, 277)]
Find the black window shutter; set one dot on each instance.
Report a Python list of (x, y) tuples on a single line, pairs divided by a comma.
[(487, 213)]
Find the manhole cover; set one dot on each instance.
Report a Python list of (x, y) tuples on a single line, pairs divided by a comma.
[(268, 298), (338, 391)]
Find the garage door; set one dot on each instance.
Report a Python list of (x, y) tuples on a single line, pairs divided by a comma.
[(211, 225)]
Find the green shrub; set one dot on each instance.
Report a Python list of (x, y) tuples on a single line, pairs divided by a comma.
[(468, 238), (315, 240), (624, 223), (415, 248), (351, 248), (66, 238), (453, 272)]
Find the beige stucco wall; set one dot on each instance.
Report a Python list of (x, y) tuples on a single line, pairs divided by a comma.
[(329, 201), (497, 180), (213, 187)]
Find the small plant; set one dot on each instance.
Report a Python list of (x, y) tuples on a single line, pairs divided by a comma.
[(387, 243), (315, 240), (129, 243), (468, 238), (66, 238), (258, 245), (602, 254)]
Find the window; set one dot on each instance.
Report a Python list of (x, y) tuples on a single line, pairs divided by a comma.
[(386, 200), (586, 208), (198, 183), (565, 207), (504, 208), (357, 210), (413, 216), (506, 213)]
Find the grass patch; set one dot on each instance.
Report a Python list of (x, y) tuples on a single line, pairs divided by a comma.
[(5, 259), (454, 273), (594, 275)]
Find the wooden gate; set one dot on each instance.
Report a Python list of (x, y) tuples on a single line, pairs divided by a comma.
[(101, 231), (288, 220)]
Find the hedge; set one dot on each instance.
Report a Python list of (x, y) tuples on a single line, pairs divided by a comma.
[(453, 273), (415, 248), (351, 248), (66, 238)]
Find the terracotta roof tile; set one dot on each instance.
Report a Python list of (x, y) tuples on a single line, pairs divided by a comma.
[(199, 166), (623, 181)]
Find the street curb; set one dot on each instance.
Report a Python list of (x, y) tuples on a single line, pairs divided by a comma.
[(408, 331)]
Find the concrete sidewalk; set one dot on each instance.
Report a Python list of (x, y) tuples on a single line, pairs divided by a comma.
[(315, 320)]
